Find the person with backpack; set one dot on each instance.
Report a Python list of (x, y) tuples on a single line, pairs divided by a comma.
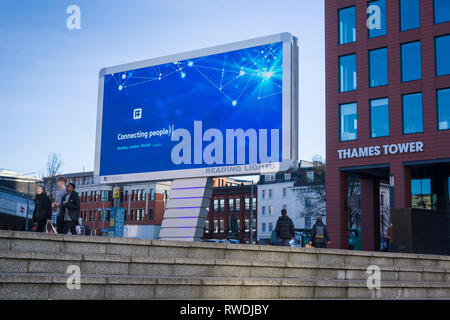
[(284, 229), (319, 235)]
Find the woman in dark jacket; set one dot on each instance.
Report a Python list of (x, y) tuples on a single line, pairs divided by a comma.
[(42, 209)]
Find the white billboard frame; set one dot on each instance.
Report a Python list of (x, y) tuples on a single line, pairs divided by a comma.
[(289, 114)]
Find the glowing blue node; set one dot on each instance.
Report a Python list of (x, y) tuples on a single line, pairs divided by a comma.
[(190, 63), (183, 75), (124, 76), (242, 73), (120, 88), (234, 103)]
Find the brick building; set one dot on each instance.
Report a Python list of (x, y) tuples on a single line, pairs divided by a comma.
[(143, 203), (387, 108), (228, 200)]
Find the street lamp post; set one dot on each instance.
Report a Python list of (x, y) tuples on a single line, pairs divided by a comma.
[(251, 215)]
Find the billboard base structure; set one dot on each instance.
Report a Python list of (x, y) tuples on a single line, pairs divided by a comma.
[(186, 209)]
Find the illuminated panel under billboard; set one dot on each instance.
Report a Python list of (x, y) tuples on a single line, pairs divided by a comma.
[(206, 115)]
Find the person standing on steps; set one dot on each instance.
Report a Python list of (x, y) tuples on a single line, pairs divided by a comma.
[(56, 205), (42, 213), (70, 210), (319, 236), (284, 229)]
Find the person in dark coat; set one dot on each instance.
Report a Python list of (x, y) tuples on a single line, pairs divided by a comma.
[(70, 210), (284, 229), (42, 209), (319, 235)]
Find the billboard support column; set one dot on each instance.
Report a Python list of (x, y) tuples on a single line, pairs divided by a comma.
[(186, 209)]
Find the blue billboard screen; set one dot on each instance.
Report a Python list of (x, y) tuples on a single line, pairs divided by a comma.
[(211, 111)]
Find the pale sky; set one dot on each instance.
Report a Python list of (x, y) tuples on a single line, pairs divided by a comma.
[(49, 74)]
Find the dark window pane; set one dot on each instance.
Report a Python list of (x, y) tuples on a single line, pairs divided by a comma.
[(379, 117), (409, 14), (411, 61), (442, 55), (412, 113), (377, 18), (347, 27), (348, 122), (441, 11), (347, 72), (378, 67), (443, 102)]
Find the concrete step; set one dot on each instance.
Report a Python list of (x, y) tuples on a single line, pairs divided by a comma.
[(41, 262), (53, 286), (39, 242)]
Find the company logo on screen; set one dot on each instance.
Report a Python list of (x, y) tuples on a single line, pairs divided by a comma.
[(211, 111), (137, 113)]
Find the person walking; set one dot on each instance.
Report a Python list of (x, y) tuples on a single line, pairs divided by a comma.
[(319, 236), (284, 229), (56, 205), (42, 209), (70, 210)]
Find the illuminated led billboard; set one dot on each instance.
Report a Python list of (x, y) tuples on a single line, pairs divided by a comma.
[(227, 110)]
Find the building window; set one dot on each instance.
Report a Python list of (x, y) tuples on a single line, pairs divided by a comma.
[(270, 193), (150, 214), (443, 106), (104, 195), (442, 55), (310, 176), (421, 193), (347, 73), (379, 118), (216, 205), (222, 226), (126, 195), (348, 121), (254, 204), (216, 226), (377, 18), (263, 210), (378, 67), (409, 14), (287, 176), (238, 204), (247, 204), (247, 225), (308, 222), (152, 194), (307, 203), (411, 61), (441, 11), (270, 226), (222, 205), (284, 192), (125, 216), (412, 113), (264, 194), (347, 25), (231, 204), (271, 210), (263, 227), (206, 226)]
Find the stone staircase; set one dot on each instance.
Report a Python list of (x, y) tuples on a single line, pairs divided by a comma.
[(33, 266)]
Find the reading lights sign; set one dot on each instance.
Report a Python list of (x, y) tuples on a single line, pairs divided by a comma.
[(227, 110)]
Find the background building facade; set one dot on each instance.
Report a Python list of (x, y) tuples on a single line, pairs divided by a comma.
[(143, 203), (387, 109)]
